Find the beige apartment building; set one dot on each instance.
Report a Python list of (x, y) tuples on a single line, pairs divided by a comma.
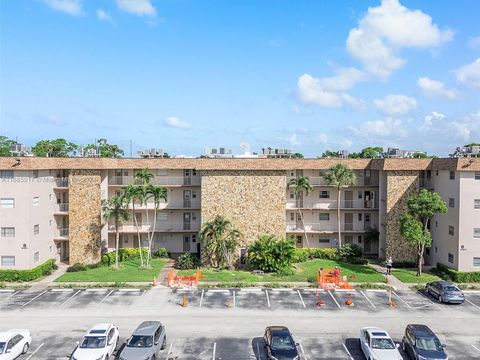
[(51, 207)]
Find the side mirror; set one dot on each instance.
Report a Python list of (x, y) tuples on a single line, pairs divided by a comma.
[(78, 343), (297, 344), (443, 345), (398, 345)]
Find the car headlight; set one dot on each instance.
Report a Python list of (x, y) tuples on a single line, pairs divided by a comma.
[(421, 358)]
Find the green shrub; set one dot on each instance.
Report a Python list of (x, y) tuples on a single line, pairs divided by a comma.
[(123, 254), (302, 255), (28, 275), (77, 267), (161, 253), (187, 261), (457, 276), (349, 252), (270, 254)]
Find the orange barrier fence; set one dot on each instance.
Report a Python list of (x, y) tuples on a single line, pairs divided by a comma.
[(175, 281), (331, 279)]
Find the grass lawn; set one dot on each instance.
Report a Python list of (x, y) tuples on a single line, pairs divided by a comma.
[(410, 276), (127, 271), (306, 271)]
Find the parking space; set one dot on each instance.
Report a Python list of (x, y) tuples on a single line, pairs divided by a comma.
[(381, 299), (251, 299), (319, 300), (325, 347), (51, 298), (5, 294), (218, 299), (121, 296), (280, 299), (357, 299), (473, 299), (414, 299), (191, 298), (20, 299)]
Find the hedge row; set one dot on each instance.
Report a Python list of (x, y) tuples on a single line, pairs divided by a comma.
[(28, 275), (348, 253), (457, 276)]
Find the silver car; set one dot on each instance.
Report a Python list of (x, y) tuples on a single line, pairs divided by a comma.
[(146, 342), (445, 292)]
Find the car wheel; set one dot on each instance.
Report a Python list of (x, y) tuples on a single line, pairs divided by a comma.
[(25, 348), (164, 344), (403, 346), (440, 299)]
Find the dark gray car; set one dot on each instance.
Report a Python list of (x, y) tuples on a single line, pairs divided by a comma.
[(146, 342), (419, 342), (445, 291)]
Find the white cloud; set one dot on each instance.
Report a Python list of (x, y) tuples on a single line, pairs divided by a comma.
[(345, 79), (387, 28), (434, 87), (175, 122), (137, 7), (322, 92), (102, 15), (322, 139), (381, 128), (474, 42), (430, 118), (346, 143), (396, 104), (469, 74), (468, 128), (293, 140), (71, 7)]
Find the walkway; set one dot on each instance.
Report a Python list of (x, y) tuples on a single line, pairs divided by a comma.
[(396, 284), (162, 279), (47, 280)]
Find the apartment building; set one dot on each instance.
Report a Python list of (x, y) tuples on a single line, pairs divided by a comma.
[(51, 207)]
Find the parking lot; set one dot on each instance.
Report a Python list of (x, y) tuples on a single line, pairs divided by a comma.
[(228, 324)]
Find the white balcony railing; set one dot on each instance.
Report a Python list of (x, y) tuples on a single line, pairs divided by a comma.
[(326, 204), (175, 204), (328, 227), (61, 207), (320, 181), (157, 180), (161, 226), (61, 182), (62, 233)]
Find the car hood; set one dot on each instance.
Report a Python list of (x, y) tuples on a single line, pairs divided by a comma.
[(387, 354), (132, 353), (429, 354), (89, 354), (285, 354)]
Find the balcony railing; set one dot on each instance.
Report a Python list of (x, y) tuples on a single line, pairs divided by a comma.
[(61, 207), (426, 184), (161, 226), (176, 204), (326, 204), (157, 180), (328, 227), (61, 182), (320, 181), (62, 233)]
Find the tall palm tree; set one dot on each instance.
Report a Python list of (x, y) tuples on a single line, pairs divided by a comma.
[(340, 176), (157, 193), (301, 184), (144, 176), (132, 193), (116, 208)]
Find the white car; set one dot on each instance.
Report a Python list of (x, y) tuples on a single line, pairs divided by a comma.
[(376, 344), (98, 344), (14, 343)]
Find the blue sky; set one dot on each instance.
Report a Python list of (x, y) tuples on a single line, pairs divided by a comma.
[(183, 75)]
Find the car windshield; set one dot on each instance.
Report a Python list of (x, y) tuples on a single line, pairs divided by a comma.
[(450, 288), (140, 341), (2, 347), (382, 343), (282, 342), (428, 344), (93, 342)]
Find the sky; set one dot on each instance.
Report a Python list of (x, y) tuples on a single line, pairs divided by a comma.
[(183, 75)]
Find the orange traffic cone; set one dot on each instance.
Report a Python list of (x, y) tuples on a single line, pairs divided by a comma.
[(184, 301), (154, 282), (320, 303), (349, 302), (229, 303)]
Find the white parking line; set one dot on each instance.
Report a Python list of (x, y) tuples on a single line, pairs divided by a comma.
[(303, 352), (268, 299), (251, 289), (201, 298), (471, 303), (234, 301), (333, 297), (169, 351), (426, 297), (33, 353), (301, 299), (61, 290), (214, 350), (143, 293), (106, 296), (218, 290), (476, 348), (376, 290), (96, 290), (8, 297), (313, 289), (75, 294), (128, 290), (6, 290), (346, 349), (398, 296), (366, 297), (282, 289), (36, 297)]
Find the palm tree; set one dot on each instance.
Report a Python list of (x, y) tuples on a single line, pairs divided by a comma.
[(116, 208), (144, 177), (301, 184), (340, 176), (132, 193), (157, 193)]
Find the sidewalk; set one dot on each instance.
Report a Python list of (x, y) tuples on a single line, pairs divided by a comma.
[(394, 282), (162, 279), (47, 280)]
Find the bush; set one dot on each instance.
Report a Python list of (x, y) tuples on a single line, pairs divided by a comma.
[(28, 275), (77, 267), (123, 254), (187, 261), (161, 253), (270, 254), (457, 276), (349, 252), (302, 255)]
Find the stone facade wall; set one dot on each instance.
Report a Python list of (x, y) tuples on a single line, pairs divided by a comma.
[(85, 216), (400, 185), (254, 201)]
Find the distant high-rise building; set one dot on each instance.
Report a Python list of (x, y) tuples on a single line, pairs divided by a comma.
[(276, 153), (20, 150), (220, 152), (402, 154), (151, 153), (467, 151)]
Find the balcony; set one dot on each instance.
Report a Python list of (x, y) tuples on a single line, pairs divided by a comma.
[(426, 184), (175, 204), (326, 204), (320, 181), (161, 226), (61, 182), (61, 234), (328, 227), (61, 208), (157, 180)]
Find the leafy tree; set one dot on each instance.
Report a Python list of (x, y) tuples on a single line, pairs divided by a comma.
[(297, 155), (157, 193), (54, 148), (133, 193), (270, 254), (419, 155), (371, 152), (116, 208), (414, 225), (330, 154), (5, 144), (340, 176), (106, 150), (219, 241), (301, 185)]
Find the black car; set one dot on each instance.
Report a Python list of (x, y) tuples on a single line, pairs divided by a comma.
[(420, 343), (279, 344), (445, 292)]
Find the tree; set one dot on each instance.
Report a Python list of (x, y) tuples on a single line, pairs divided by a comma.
[(54, 148), (330, 154), (133, 193), (270, 254), (5, 144), (414, 225), (371, 152), (219, 241), (419, 155), (157, 193), (116, 208), (297, 155), (105, 149), (301, 184), (340, 176), (144, 176)]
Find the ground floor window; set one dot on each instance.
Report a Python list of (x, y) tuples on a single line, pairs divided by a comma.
[(36, 256), (450, 258), (8, 260), (476, 261), (324, 241)]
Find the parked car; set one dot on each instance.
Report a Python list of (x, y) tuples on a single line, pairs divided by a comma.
[(98, 344), (279, 344), (14, 343), (376, 344), (420, 343), (445, 292), (146, 342)]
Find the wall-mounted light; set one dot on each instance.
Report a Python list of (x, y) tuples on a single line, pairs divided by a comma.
[(24, 247)]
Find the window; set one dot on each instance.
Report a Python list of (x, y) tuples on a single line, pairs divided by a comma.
[(450, 258), (427, 251), (451, 230), (324, 241), (476, 204), (162, 216), (359, 194), (162, 172), (324, 216), (292, 195), (51, 248), (359, 216), (292, 216), (7, 232), (477, 175), (451, 202), (36, 201), (8, 260), (194, 238), (36, 256), (359, 240), (452, 175), (6, 174), (436, 249), (36, 229), (35, 174), (324, 194), (476, 261), (7, 203), (476, 233)]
